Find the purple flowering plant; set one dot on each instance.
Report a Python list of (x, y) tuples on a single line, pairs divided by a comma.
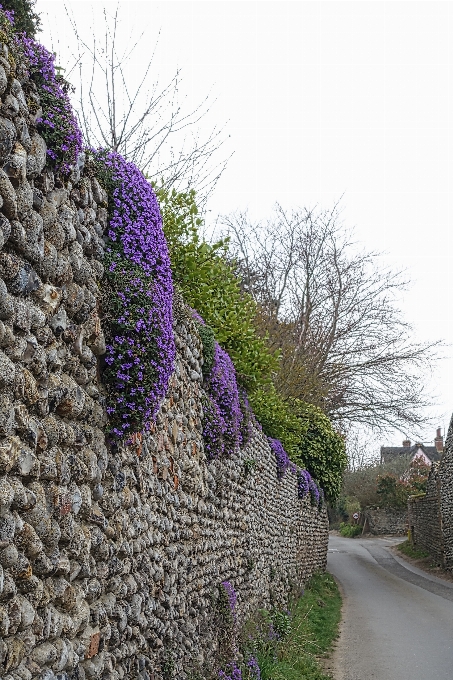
[(232, 597), (307, 485), (253, 668), (138, 297), (233, 672), (223, 418), (282, 459), (57, 123), (314, 492), (228, 417), (303, 483)]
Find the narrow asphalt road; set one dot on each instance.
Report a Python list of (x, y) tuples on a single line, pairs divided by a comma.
[(397, 623)]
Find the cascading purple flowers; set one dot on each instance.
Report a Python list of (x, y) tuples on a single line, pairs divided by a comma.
[(141, 349), (307, 485), (9, 14), (58, 123), (223, 419), (314, 492), (303, 483), (281, 457)]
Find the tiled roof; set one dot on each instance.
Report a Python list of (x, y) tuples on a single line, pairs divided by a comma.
[(388, 452)]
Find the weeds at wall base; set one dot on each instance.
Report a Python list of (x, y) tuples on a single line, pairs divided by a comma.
[(408, 549), (286, 643)]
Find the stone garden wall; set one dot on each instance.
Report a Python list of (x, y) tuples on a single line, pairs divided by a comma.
[(111, 556), (389, 521), (431, 516)]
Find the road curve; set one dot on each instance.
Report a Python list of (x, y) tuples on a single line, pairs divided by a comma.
[(397, 624)]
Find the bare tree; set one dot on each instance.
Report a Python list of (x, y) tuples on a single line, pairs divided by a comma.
[(332, 312), (145, 122)]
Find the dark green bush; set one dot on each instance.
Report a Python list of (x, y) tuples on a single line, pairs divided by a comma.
[(307, 436), (350, 530)]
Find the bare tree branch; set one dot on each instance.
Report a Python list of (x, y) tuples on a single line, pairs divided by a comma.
[(146, 125), (332, 311)]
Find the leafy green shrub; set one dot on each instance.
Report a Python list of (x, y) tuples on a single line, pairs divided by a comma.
[(307, 436), (394, 491), (350, 530), (209, 285), (322, 450)]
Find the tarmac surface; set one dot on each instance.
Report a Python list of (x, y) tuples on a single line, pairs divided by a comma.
[(397, 620)]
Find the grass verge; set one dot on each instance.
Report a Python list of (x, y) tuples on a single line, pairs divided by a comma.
[(408, 549), (314, 625)]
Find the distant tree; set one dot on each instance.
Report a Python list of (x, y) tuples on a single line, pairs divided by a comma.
[(331, 311), (25, 18), (385, 484)]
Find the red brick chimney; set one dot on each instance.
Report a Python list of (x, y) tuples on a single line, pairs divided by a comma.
[(439, 441), (406, 443)]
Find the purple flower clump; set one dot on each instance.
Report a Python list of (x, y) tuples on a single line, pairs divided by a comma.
[(303, 483), (231, 594), (58, 123), (307, 485), (281, 457), (9, 14), (254, 669), (314, 492), (196, 316), (222, 422), (141, 349), (234, 673)]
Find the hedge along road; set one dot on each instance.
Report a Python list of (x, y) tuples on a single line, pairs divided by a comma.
[(397, 624)]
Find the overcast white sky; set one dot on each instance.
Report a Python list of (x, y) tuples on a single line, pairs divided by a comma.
[(320, 99)]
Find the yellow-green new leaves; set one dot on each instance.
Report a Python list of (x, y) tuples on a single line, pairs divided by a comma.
[(209, 285)]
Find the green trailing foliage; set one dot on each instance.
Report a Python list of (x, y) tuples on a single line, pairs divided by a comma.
[(209, 285), (207, 340)]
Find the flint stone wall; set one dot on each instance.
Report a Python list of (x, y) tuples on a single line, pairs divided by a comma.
[(389, 521), (110, 556), (431, 516)]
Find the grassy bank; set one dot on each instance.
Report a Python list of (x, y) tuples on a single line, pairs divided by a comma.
[(313, 625), (408, 549)]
